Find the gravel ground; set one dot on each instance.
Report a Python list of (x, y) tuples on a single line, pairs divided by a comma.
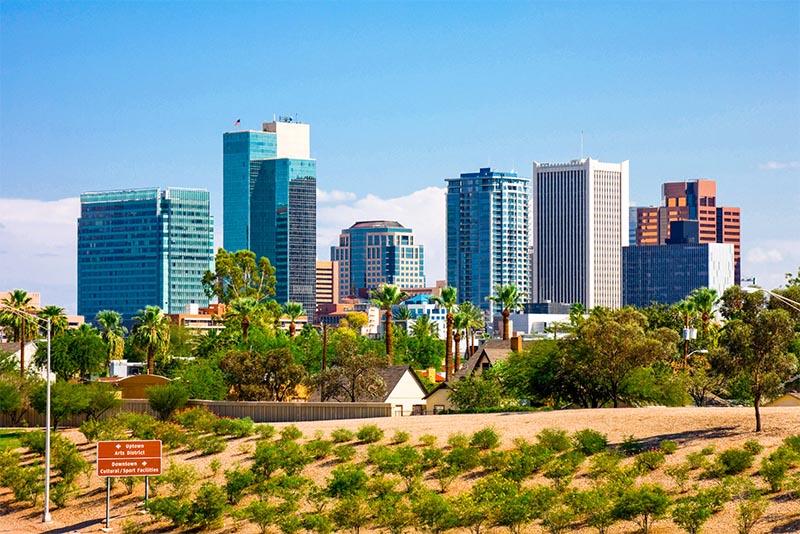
[(692, 428)]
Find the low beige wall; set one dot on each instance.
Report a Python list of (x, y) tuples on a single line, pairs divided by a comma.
[(260, 412)]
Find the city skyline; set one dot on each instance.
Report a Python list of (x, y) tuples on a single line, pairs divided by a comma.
[(137, 95)]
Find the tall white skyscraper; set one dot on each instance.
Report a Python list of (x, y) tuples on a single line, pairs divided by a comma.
[(579, 225)]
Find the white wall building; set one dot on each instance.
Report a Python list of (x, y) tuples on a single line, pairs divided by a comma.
[(579, 224)]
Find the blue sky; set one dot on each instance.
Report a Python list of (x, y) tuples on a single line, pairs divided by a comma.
[(400, 96)]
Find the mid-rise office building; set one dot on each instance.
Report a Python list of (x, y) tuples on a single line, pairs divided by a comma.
[(373, 253), (487, 234), (141, 247), (691, 200), (666, 274), (270, 203), (327, 282), (579, 226)]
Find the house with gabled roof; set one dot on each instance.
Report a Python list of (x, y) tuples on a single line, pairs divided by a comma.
[(489, 354)]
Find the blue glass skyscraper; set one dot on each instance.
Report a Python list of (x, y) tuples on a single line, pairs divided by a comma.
[(270, 204), (141, 247), (487, 234)]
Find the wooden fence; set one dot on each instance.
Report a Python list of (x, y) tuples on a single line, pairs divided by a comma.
[(259, 412)]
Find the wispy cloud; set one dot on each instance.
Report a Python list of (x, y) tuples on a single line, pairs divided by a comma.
[(779, 165), (324, 197)]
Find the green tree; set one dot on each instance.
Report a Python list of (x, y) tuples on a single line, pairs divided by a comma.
[(58, 319), (151, 333), (244, 311), (385, 297), (261, 375), (353, 373), (238, 275), (113, 334), (79, 352), (509, 298), (402, 316), (66, 399), (293, 310), (14, 316), (477, 392), (167, 399), (757, 342), (643, 504), (704, 301), (448, 301)]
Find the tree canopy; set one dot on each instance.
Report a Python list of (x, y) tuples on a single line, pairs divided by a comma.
[(237, 275)]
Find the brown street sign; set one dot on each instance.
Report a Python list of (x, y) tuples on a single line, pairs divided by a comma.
[(128, 458)]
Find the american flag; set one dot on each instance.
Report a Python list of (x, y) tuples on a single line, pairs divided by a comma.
[(237, 123)]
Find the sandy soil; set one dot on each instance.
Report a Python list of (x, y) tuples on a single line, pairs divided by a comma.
[(692, 428)]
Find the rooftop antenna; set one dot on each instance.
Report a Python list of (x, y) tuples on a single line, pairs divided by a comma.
[(581, 144)]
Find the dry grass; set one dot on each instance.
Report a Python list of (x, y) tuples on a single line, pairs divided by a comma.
[(692, 428)]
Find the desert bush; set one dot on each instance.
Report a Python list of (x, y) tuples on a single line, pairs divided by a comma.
[(101, 398), (559, 518), (435, 514), (342, 435), (265, 431), (130, 483), (595, 506), (485, 439), (463, 459), (167, 399), (432, 457), (690, 513), (237, 482), (749, 511), (237, 428), (8, 458), (67, 461), (198, 419), (793, 442), (631, 446), (208, 445), (181, 477), (753, 447), (643, 505), (458, 439), (679, 473), (602, 465), (177, 511), (282, 454), (526, 459), (494, 460), (208, 506), (25, 483), (589, 441), (131, 527), (563, 468), (400, 437), (344, 452), (774, 468), (291, 433), (377, 454), (697, 460), (730, 462), (554, 438), (61, 491), (171, 435), (427, 440), (668, 446), (141, 426), (319, 448), (369, 434), (649, 461), (346, 481), (107, 429)]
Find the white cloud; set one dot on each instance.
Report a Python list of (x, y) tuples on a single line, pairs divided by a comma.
[(769, 261), (423, 211), (778, 165), (323, 197), (764, 255), (38, 241)]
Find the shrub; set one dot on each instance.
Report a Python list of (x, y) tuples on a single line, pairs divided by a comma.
[(344, 453), (237, 428), (265, 431), (237, 481), (749, 511), (291, 433), (554, 438), (130, 483), (67, 461), (347, 480), (696, 460), (644, 505), (730, 462), (793, 442), (131, 527), (271, 456), (108, 429), (342, 435), (680, 474), (602, 465), (753, 447), (319, 448), (181, 477), (494, 460), (427, 440), (171, 435), (458, 439), (199, 419), (178, 512), (101, 398), (526, 459), (400, 437), (24, 482), (61, 491), (208, 445), (141, 426), (485, 439), (562, 469), (463, 459), (667, 446), (589, 441), (631, 446), (369, 434), (691, 513), (773, 471), (432, 457), (649, 461), (167, 399), (208, 506)]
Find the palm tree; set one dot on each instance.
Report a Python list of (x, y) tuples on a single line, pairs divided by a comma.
[(112, 332), (58, 319), (385, 297), (704, 301), (151, 332), (509, 298), (460, 324), (15, 319), (423, 327), (448, 302), (576, 313), (293, 310), (243, 310), (403, 315), (475, 322)]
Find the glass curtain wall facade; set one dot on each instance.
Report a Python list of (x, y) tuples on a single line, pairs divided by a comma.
[(487, 234), (270, 205), (143, 247), (372, 253)]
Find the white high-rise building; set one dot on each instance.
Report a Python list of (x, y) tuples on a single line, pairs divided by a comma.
[(579, 225)]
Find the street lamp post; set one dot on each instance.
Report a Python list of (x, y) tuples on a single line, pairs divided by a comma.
[(23, 314)]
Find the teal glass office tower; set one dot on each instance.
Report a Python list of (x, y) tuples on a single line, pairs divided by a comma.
[(372, 253), (270, 204), (143, 247), (487, 234)]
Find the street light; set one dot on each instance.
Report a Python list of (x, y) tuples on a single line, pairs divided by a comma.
[(46, 516)]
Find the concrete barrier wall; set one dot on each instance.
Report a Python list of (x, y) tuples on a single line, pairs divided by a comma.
[(260, 412)]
